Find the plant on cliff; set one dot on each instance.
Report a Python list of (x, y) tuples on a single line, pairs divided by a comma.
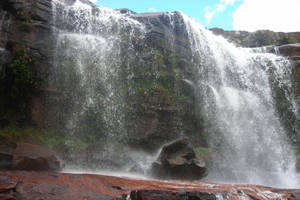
[(25, 24), (201, 151), (287, 40), (52, 138), (22, 79)]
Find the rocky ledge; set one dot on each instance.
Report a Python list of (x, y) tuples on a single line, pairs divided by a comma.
[(49, 185), (258, 38)]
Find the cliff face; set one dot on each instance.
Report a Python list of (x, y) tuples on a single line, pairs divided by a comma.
[(26, 45), (155, 113)]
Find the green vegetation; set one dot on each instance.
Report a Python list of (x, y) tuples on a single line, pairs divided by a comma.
[(298, 70), (163, 124), (154, 92), (201, 151), (13, 134), (51, 138), (154, 85), (179, 73), (23, 15), (25, 27), (287, 40), (158, 57), (92, 126), (22, 79), (25, 24)]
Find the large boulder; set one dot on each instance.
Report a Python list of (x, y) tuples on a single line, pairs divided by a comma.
[(6, 155), (178, 160), (34, 158)]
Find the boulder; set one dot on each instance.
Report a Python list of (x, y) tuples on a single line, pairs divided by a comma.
[(6, 155), (34, 158), (178, 160)]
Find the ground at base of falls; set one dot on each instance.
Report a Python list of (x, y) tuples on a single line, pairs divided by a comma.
[(24, 185)]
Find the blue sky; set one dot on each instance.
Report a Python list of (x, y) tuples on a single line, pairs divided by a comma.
[(249, 15), (193, 8)]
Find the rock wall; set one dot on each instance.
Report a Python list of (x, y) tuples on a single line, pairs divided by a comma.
[(26, 42), (168, 109)]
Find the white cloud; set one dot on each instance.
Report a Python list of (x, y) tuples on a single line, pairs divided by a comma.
[(226, 2), (93, 1), (276, 15), (152, 10), (209, 13)]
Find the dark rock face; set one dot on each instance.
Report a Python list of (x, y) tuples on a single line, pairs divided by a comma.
[(159, 110), (34, 157), (291, 51), (157, 194), (6, 156), (24, 25), (178, 161)]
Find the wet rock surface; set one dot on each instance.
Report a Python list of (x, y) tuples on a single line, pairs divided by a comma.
[(29, 157), (6, 156), (34, 157), (178, 160), (155, 111), (44, 185)]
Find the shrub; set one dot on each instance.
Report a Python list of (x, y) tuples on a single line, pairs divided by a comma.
[(22, 79)]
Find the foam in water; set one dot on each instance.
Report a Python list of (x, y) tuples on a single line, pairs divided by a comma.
[(244, 127)]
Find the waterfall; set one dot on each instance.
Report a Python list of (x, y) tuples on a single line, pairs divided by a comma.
[(91, 72), (245, 128), (102, 59)]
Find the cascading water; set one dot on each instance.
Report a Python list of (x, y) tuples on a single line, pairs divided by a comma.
[(247, 132), (89, 70), (234, 92)]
